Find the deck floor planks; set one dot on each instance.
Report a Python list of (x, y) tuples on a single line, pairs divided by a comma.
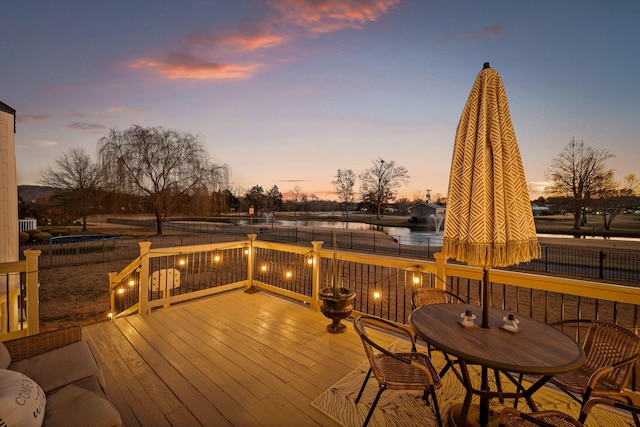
[(229, 374), (261, 377), (276, 357), (134, 378), (192, 386)]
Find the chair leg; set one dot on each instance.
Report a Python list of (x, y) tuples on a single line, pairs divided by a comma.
[(436, 409), (373, 406), (364, 384), (634, 414), (496, 373)]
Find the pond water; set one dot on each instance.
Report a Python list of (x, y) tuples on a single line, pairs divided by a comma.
[(405, 235)]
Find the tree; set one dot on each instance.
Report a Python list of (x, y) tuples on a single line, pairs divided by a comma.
[(343, 184), (578, 174), (379, 182), (297, 195), (612, 200), (273, 201), (256, 198), (78, 179), (160, 163)]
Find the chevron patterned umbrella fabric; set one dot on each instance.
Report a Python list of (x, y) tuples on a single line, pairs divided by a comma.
[(489, 222)]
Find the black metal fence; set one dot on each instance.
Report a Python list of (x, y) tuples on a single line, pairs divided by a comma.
[(613, 266)]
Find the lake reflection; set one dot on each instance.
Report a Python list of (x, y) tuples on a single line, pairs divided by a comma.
[(404, 235)]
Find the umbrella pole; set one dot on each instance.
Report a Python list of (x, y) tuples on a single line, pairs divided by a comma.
[(485, 298)]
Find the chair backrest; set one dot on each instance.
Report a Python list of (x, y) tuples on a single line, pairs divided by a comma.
[(427, 296), (360, 324), (607, 344)]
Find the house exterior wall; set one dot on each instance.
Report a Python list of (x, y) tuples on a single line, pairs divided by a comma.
[(8, 190)]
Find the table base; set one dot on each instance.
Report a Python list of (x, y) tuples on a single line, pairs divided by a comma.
[(472, 416)]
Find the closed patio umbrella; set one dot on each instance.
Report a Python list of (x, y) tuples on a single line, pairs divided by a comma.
[(489, 221)]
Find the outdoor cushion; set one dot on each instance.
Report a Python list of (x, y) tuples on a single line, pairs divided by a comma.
[(5, 357), (22, 401), (61, 366), (82, 403)]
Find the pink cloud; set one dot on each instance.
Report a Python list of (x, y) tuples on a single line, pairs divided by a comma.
[(192, 60), (177, 65), (23, 118), (92, 128), (485, 33), (326, 16), (243, 41)]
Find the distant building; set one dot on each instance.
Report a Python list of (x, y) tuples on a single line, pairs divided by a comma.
[(540, 210), (426, 212)]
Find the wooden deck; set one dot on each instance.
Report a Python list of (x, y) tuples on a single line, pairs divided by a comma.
[(235, 359)]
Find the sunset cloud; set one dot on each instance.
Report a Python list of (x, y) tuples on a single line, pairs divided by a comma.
[(177, 65), (87, 127), (327, 16), (46, 143), (231, 54), (23, 118), (242, 41), (474, 35)]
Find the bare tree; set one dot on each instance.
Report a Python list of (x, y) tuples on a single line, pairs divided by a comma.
[(379, 182), (160, 163), (577, 175), (297, 195), (343, 184), (613, 198), (78, 179)]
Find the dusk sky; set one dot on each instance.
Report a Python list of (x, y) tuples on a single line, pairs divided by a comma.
[(286, 92)]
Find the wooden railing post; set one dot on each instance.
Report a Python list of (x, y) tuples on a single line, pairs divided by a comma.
[(441, 274), (33, 298), (252, 237), (112, 291), (315, 278), (144, 277)]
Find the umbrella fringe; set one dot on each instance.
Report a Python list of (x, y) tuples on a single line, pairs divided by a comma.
[(489, 255)]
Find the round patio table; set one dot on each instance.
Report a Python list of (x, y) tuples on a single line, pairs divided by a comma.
[(537, 349)]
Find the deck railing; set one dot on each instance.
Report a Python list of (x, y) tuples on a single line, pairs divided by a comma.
[(19, 297), (383, 284)]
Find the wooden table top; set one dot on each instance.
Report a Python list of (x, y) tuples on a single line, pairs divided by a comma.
[(537, 349)]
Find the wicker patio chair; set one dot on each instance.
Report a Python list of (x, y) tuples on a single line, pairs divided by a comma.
[(396, 371), (426, 296), (633, 410), (611, 352), (510, 417)]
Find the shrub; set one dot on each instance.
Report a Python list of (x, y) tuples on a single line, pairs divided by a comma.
[(41, 237), (24, 237)]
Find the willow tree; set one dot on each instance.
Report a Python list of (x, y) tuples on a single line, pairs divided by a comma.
[(159, 163)]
